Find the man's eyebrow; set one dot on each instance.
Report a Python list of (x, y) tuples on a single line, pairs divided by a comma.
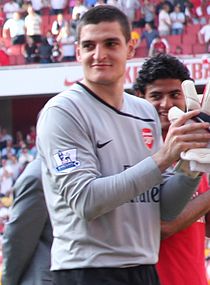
[(112, 39), (105, 40), (86, 42), (156, 92), (171, 91), (176, 90)]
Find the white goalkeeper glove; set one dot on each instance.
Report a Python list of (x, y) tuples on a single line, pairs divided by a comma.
[(197, 160)]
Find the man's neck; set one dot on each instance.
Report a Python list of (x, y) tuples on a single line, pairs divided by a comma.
[(164, 134), (111, 94)]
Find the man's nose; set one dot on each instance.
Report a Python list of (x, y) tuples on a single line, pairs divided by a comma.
[(99, 52), (166, 102)]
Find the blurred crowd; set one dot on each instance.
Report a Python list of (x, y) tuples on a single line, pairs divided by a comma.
[(15, 153), (23, 23)]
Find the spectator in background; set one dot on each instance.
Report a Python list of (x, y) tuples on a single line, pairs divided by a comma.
[(58, 7), (177, 20), (148, 12), (4, 216), (8, 149), (30, 51), (58, 24), (4, 58), (190, 13), (79, 9), (2, 17), (203, 11), (204, 35), (15, 26), (115, 3), (6, 178), (89, 3), (100, 2), (56, 52), (18, 140), (164, 21), (30, 137), (27, 237), (10, 7), (130, 7), (160, 3), (71, 5), (178, 50), (75, 22), (66, 39), (50, 38), (46, 6), (4, 137), (158, 45), (15, 166), (24, 7), (149, 34), (135, 37), (24, 156), (45, 52), (37, 6), (33, 23)]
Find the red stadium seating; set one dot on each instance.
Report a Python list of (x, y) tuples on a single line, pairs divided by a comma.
[(188, 39), (199, 48)]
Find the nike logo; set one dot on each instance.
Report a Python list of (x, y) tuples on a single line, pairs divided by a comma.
[(69, 83), (100, 145)]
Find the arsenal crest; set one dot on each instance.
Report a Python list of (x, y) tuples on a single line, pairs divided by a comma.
[(148, 138)]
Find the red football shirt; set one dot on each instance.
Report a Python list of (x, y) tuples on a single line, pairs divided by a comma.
[(181, 257)]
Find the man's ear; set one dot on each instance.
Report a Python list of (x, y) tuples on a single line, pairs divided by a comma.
[(131, 49), (78, 57)]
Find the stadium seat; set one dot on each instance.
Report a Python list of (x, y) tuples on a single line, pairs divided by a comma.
[(45, 26), (192, 29), (199, 48), (174, 40), (187, 48), (15, 50), (188, 39), (141, 51)]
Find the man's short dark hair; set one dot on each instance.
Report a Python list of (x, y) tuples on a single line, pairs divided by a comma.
[(161, 66), (105, 13)]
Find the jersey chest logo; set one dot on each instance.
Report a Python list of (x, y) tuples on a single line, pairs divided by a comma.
[(147, 137)]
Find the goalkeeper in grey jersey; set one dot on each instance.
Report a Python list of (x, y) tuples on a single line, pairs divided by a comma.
[(104, 165)]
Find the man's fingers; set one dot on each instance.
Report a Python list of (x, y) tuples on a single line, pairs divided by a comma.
[(182, 117)]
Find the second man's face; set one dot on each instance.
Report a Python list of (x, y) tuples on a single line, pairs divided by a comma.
[(164, 94)]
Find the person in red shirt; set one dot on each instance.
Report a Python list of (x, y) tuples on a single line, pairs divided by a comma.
[(4, 57), (158, 45), (181, 256)]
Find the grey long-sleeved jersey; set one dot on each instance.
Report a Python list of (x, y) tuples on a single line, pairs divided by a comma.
[(101, 183)]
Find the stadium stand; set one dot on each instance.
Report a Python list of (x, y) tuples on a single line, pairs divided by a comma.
[(188, 41)]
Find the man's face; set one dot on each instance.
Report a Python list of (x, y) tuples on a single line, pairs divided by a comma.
[(164, 94), (103, 52)]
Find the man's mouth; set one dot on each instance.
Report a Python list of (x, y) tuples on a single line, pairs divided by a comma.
[(100, 65), (163, 114)]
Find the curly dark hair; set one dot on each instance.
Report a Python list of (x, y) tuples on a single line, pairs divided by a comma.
[(161, 66)]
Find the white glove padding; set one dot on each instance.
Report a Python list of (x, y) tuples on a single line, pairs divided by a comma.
[(197, 160)]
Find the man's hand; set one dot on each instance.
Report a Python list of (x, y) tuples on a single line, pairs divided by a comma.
[(183, 134), (194, 160)]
